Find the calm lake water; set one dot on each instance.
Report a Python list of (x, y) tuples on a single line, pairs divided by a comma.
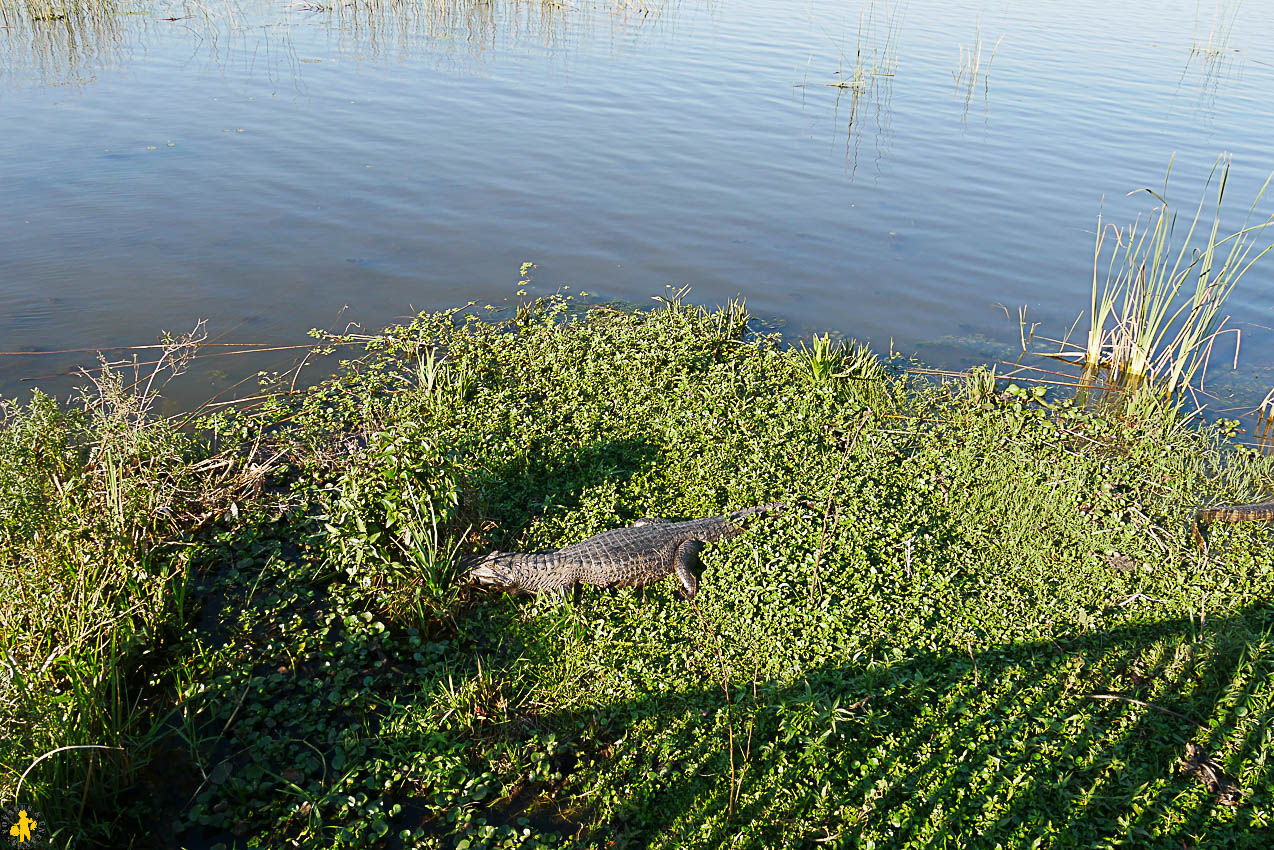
[(262, 165)]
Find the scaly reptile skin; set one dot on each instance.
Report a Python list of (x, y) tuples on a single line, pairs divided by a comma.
[(636, 556), (1227, 513)]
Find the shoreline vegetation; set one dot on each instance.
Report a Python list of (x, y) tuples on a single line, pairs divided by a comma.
[(1161, 337), (248, 626), (994, 631)]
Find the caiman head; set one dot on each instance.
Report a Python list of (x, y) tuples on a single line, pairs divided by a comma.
[(494, 569)]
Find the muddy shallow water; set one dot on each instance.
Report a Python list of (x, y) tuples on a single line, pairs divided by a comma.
[(262, 165)]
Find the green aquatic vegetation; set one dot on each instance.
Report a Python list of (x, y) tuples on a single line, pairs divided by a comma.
[(993, 630), (1154, 321)]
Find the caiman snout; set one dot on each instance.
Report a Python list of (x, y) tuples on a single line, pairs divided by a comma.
[(490, 569)]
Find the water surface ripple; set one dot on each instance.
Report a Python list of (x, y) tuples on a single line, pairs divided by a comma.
[(262, 165)]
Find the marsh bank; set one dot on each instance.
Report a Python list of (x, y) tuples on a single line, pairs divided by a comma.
[(999, 632)]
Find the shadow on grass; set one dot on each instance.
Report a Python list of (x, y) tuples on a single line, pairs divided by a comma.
[(998, 746), (973, 746), (539, 481), (272, 698)]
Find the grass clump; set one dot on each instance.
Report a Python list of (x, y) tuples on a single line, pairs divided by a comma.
[(92, 583), (1158, 315), (996, 632), (389, 517), (848, 369)]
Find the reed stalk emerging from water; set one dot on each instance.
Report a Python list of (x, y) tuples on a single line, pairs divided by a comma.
[(1155, 319), (1217, 41), (875, 55), (1265, 424), (970, 69)]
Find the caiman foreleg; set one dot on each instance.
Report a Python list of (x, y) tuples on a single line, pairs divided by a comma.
[(685, 563)]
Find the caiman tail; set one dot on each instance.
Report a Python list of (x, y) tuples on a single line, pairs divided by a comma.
[(1227, 513), (766, 511)]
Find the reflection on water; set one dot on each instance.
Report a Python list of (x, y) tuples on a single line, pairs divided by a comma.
[(59, 41), (392, 27), (863, 81), (71, 42), (1207, 75), (1212, 35), (262, 163), (67, 41), (472, 28)]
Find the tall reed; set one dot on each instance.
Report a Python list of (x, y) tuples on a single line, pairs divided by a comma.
[(875, 51), (1155, 319), (1265, 424), (1224, 16), (970, 70)]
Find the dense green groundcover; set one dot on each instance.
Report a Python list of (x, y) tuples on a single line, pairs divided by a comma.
[(261, 619)]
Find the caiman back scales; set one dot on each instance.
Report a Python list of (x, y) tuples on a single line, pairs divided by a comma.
[(641, 554)]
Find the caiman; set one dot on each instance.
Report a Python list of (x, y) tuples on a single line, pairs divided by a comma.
[(641, 554), (1227, 513)]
